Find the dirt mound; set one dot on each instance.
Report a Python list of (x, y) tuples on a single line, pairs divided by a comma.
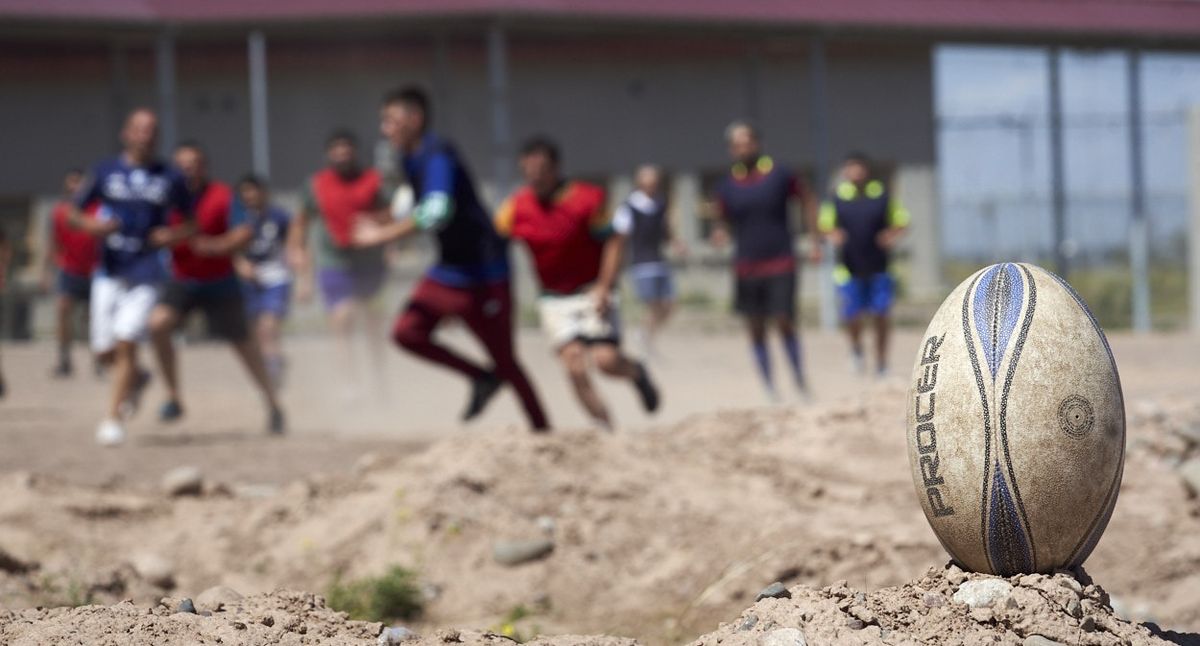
[(946, 606), (657, 535)]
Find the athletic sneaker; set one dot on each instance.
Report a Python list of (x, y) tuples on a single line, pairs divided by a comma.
[(134, 399), (646, 389), (482, 391), (110, 433), (63, 370), (170, 411), (276, 425)]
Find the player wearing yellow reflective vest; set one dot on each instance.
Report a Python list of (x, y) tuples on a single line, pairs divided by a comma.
[(865, 221)]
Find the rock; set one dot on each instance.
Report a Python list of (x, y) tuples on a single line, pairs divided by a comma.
[(517, 552), (1087, 625), (784, 637), (749, 622), (546, 524), (218, 597), (1038, 640), (774, 591), (154, 569), (396, 635), (1074, 608), (14, 565), (933, 599), (983, 593), (183, 481), (186, 606), (1190, 472), (1069, 581), (854, 623), (956, 576)]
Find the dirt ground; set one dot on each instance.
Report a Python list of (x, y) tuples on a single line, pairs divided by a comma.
[(661, 531)]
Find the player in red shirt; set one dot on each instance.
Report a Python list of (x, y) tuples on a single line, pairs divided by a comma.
[(577, 256), (202, 277), (71, 254)]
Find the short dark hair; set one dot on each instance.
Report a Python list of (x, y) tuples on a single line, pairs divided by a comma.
[(411, 96), (857, 157), (191, 144), (342, 135), (541, 145), (74, 170), (251, 179)]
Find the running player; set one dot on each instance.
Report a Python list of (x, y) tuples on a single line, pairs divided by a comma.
[(70, 259), (266, 278), (349, 277), (865, 221), (470, 280), (577, 256), (137, 192), (203, 278), (642, 217), (754, 201)]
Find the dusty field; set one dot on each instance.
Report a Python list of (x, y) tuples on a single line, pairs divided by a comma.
[(660, 532)]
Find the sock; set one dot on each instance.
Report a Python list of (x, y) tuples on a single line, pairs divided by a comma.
[(791, 344), (763, 359)]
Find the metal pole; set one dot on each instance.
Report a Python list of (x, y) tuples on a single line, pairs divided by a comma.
[(752, 76), (1193, 248), (497, 62), (120, 85), (1139, 239), (168, 132), (818, 72), (260, 134), (1058, 189), (441, 82)]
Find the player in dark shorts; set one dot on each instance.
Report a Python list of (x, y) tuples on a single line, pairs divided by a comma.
[(349, 277), (577, 257), (470, 280), (865, 221), (203, 278), (753, 201), (644, 220), (262, 265), (137, 192), (71, 257)]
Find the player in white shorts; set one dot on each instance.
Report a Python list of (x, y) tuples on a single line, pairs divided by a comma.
[(137, 191)]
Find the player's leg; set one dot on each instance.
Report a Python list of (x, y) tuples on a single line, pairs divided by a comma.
[(882, 296), (750, 298), (368, 285), (429, 303), (177, 300), (782, 308), (852, 302), (129, 308), (490, 319), (225, 314), (337, 292), (609, 359), (64, 306), (574, 358)]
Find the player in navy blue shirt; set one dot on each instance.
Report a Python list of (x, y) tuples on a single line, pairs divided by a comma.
[(137, 191), (470, 279), (754, 201)]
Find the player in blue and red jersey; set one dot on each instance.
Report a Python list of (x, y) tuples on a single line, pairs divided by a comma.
[(577, 256), (754, 201), (865, 221), (202, 278), (137, 192), (470, 280), (71, 256)]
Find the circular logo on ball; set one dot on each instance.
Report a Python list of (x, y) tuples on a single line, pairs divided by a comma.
[(1075, 416)]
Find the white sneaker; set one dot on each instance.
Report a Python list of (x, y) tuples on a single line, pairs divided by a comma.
[(110, 433)]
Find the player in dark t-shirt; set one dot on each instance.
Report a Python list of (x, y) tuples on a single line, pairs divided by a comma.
[(470, 279), (754, 201), (865, 221)]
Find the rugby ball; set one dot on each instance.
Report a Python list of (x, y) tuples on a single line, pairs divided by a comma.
[(403, 200), (1016, 423)]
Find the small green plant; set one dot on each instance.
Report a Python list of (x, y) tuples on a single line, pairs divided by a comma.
[(508, 625), (390, 596)]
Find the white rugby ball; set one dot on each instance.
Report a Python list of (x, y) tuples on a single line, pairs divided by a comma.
[(1016, 423), (403, 199)]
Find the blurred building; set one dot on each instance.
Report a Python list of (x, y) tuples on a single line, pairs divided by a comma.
[(618, 82)]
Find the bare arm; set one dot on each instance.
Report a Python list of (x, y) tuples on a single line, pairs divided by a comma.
[(371, 233), (225, 244), (92, 226)]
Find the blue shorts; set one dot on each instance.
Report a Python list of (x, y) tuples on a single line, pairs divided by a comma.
[(339, 284), (652, 282), (274, 300), (867, 294), (75, 286)]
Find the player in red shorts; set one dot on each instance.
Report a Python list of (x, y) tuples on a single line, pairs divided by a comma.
[(470, 280), (577, 256), (71, 256), (203, 278)]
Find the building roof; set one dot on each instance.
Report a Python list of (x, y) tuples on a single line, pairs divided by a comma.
[(1150, 19)]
